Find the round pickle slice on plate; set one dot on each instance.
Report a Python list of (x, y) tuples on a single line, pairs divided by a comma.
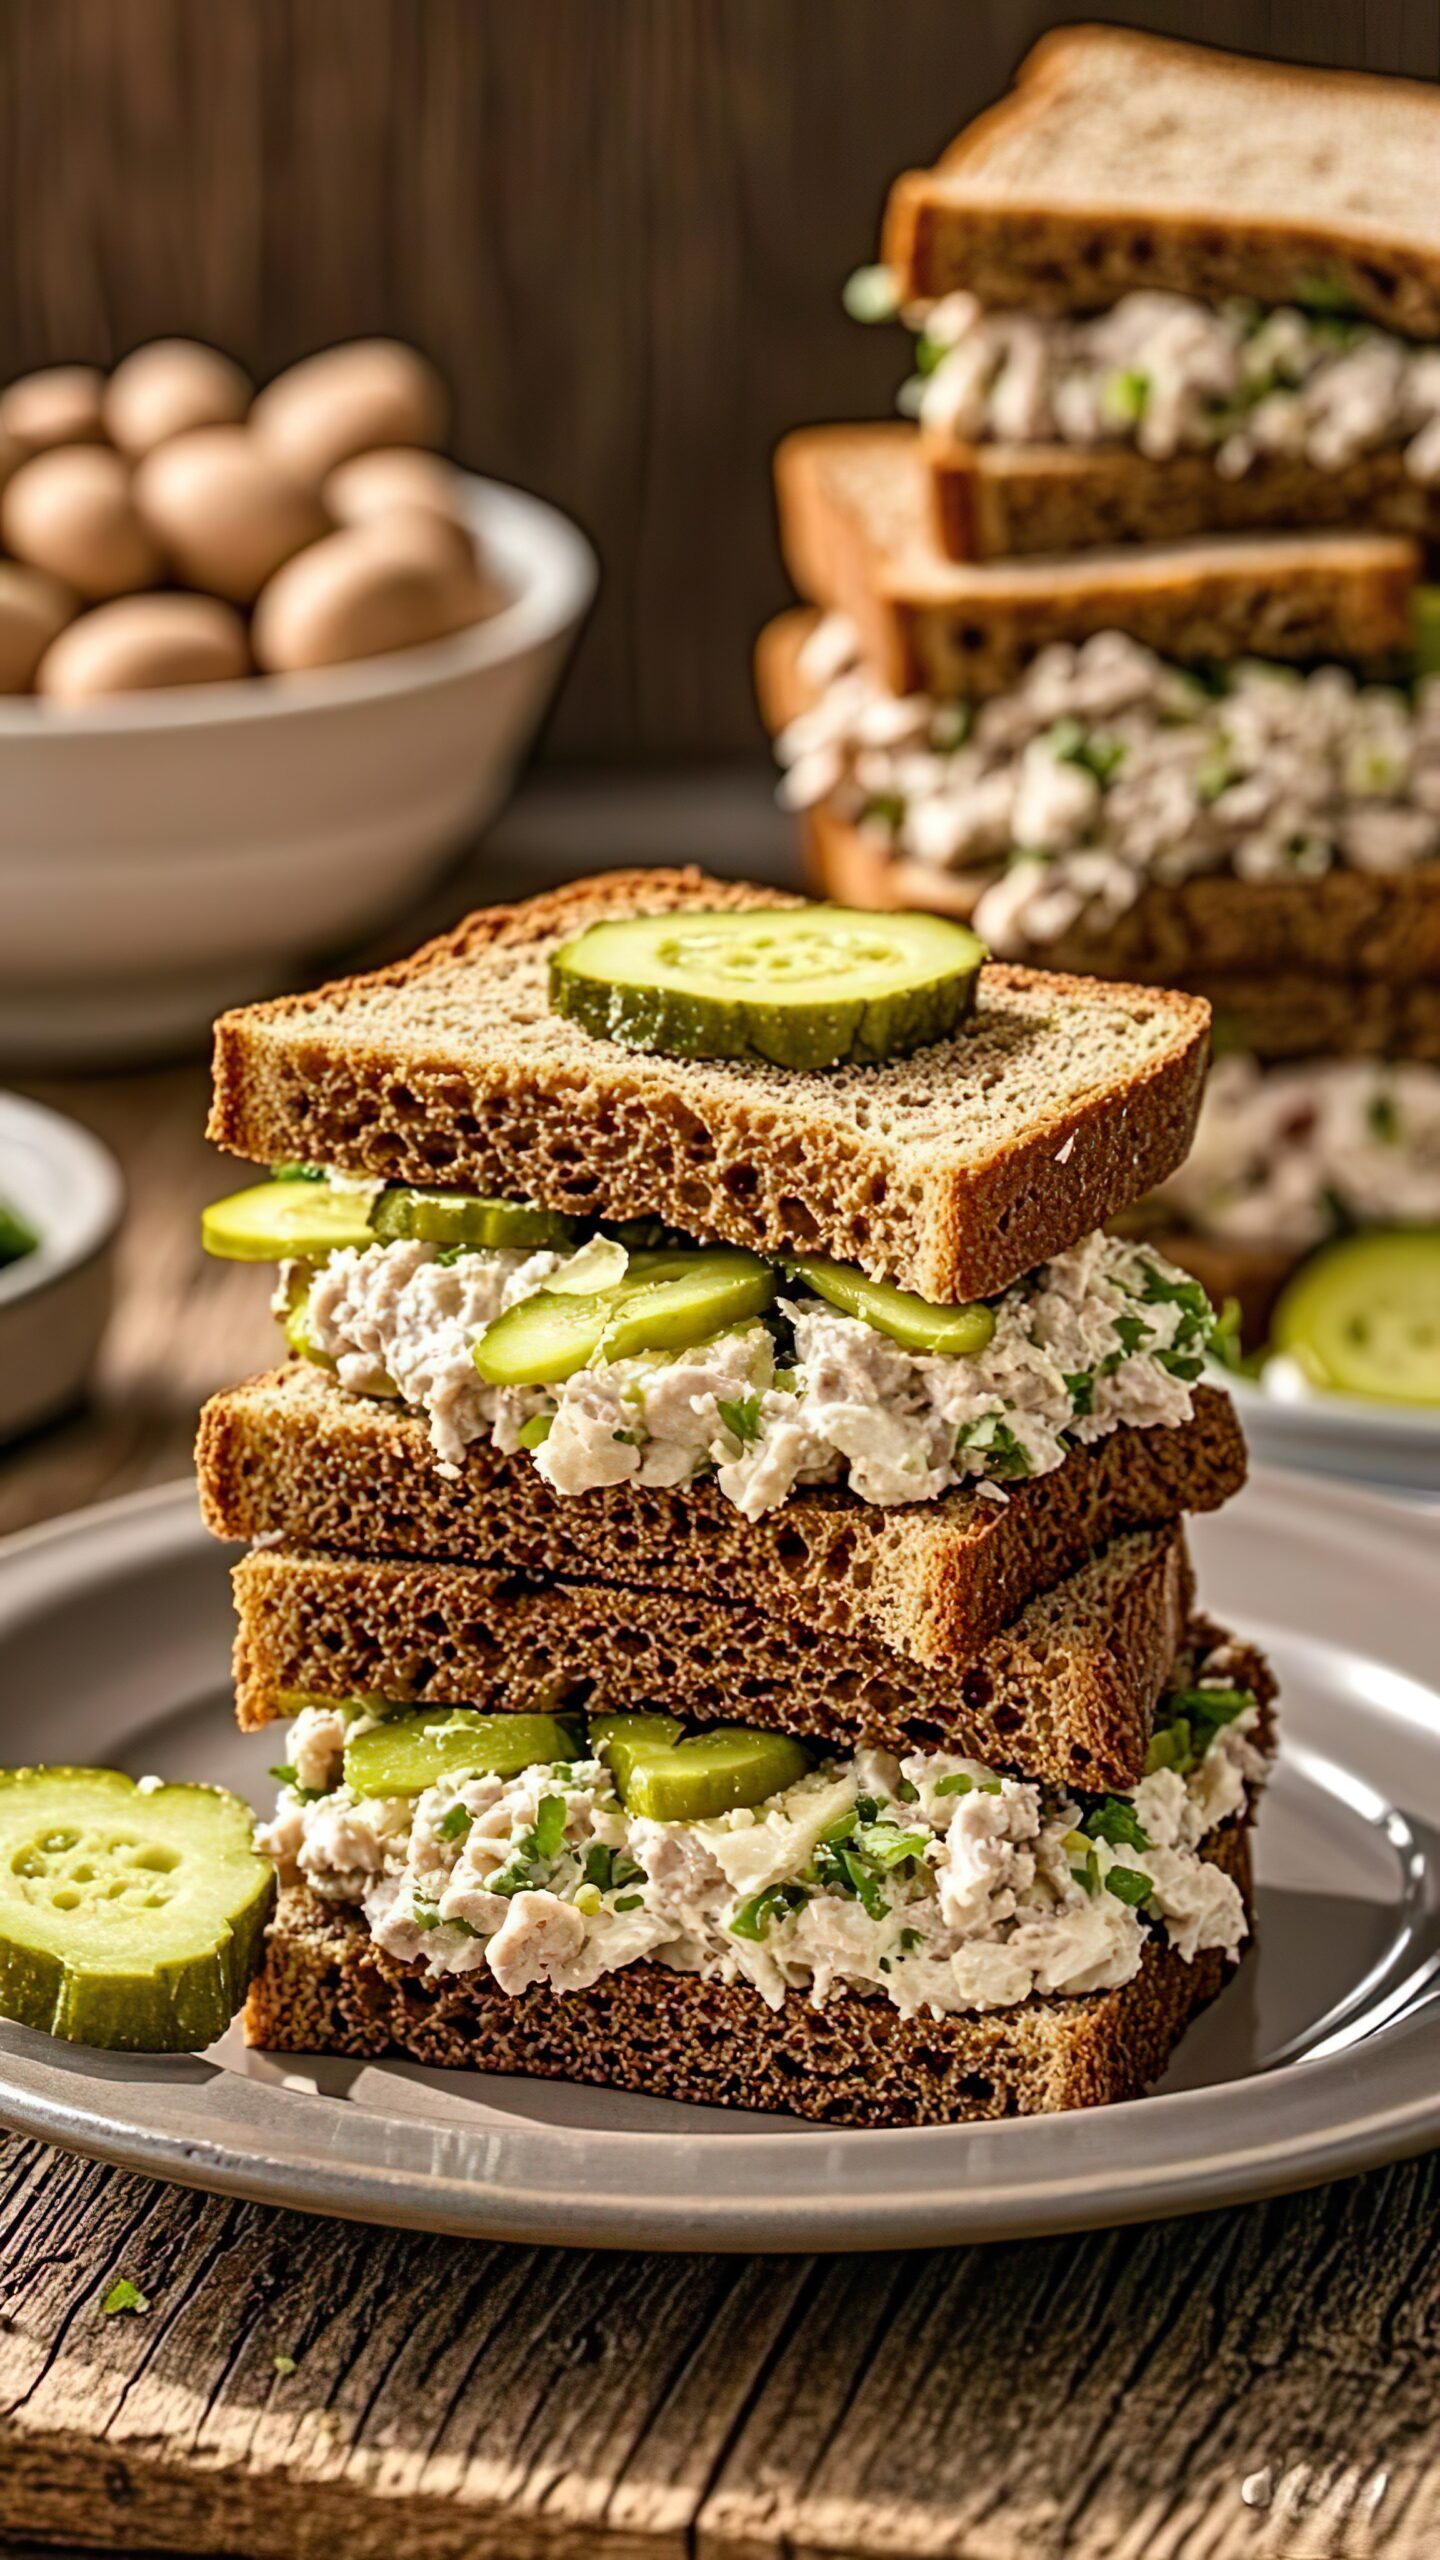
[(1362, 1317), (407, 1754), (464, 1218), (129, 1917), (912, 1322), (284, 1222), (803, 987), (666, 1302), (668, 1777)]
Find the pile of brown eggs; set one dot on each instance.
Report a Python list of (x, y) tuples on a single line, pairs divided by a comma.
[(168, 525)]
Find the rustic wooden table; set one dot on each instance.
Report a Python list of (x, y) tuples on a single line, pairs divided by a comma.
[(1256, 2382)]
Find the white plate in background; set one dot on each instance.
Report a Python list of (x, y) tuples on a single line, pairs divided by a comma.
[(1393, 1446), (53, 1302)]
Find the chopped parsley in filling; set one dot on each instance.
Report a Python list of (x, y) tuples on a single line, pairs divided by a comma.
[(1106, 768), (1105, 1334), (932, 1881)]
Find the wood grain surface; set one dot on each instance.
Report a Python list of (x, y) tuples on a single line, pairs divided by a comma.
[(619, 225), (1260, 2383)]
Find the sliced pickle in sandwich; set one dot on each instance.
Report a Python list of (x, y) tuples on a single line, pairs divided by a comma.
[(408, 1753), (666, 1302), (287, 1221), (958, 1332), (803, 987), (404, 1214), (668, 1776)]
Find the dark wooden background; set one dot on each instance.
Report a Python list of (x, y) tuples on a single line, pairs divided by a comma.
[(619, 225)]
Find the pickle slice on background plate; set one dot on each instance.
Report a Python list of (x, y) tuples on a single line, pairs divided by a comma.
[(671, 1777), (912, 1322), (1362, 1317), (803, 987), (666, 1302), (405, 1214), (407, 1754), (130, 1917), (285, 1221)]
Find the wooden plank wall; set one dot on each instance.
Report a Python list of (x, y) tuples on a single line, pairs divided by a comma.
[(620, 225)]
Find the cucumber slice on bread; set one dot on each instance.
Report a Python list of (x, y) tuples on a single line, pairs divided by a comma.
[(666, 1302), (130, 1917), (803, 987), (1362, 1317)]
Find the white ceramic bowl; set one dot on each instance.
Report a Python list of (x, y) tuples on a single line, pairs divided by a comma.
[(53, 1302), (1395, 1446), (165, 854)]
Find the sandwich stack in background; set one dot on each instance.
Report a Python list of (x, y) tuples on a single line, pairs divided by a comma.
[(719, 1535), (1057, 681)]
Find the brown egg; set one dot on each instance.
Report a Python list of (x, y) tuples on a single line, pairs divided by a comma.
[(389, 584), (224, 512), (141, 643), (375, 484), (33, 610), (348, 400), (71, 512), (168, 387), (62, 405)]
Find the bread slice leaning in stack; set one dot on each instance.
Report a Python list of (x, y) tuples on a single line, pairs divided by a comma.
[(1149, 800), (1162, 291), (790, 1694)]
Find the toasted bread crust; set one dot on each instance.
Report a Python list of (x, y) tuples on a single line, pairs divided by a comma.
[(1001, 501), (858, 534), (326, 1988), (950, 1172), (1067, 1693), (990, 217), (291, 1456)]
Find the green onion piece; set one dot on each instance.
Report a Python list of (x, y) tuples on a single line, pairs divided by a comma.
[(532, 1433), (456, 1822), (549, 1827), (125, 2296), (1129, 1884), (1113, 1820)]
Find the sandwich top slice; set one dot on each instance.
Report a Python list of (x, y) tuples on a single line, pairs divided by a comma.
[(1161, 291), (860, 1936), (1113, 812), (949, 1170), (858, 531)]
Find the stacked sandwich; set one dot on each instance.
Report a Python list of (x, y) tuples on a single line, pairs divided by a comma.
[(1057, 679), (719, 1536)]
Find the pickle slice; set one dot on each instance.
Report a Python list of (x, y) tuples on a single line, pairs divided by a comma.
[(670, 1778), (285, 1221), (407, 1754), (666, 1302), (804, 987), (913, 1322), (129, 1917), (463, 1217), (1362, 1317)]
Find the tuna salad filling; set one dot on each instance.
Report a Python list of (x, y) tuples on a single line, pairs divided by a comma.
[(1106, 768), (1166, 374), (934, 1882), (1293, 1156), (1105, 1334)]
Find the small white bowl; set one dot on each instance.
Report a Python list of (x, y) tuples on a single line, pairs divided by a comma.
[(1288, 1424), (163, 855), (53, 1302)]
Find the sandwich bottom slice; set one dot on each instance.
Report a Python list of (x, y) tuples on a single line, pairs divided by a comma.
[(882, 1941)]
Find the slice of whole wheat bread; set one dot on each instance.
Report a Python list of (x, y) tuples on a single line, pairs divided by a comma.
[(325, 1987), (950, 1171), (1002, 501), (1250, 948), (1121, 160), (857, 528), (1067, 1692), (292, 1457)]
